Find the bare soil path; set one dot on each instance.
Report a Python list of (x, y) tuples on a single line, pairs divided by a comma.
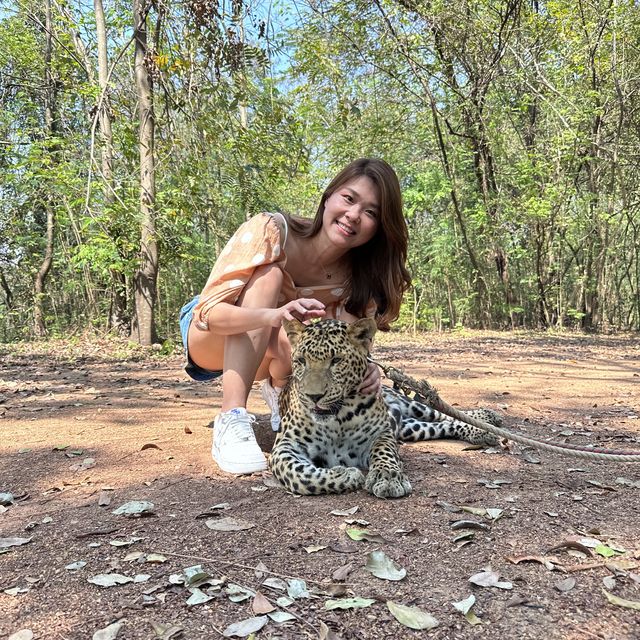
[(85, 428)]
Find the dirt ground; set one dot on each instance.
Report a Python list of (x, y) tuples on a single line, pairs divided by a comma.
[(88, 426)]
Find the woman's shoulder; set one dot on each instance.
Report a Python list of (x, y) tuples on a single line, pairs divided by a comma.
[(290, 228), (266, 223)]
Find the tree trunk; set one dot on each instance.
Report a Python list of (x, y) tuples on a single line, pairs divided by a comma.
[(8, 294), (50, 124), (144, 330), (118, 308)]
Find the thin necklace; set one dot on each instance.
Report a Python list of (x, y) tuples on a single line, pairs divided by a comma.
[(329, 274), (326, 273)]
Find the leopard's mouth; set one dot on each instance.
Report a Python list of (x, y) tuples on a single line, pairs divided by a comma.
[(329, 410)]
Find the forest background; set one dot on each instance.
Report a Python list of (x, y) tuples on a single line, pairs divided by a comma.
[(136, 136)]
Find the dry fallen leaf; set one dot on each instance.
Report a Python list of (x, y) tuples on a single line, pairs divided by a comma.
[(464, 607), (197, 597), (281, 616), (260, 604), (297, 588), (245, 627), (166, 631), (87, 463), (108, 633), (381, 566), (540, 559), (621, 602), (364, 534), (109, 579), (23, 634), (134, 508), (275, 583), (342, 572), (229, 524), (348, 603), (314, 548), (345, 512), (565, 585), (488, 578), (5, 543), (412, 617)]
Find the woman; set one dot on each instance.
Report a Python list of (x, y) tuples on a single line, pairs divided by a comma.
[(346, 263)]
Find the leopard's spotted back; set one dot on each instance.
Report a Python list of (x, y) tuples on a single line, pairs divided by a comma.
[(416, 421)]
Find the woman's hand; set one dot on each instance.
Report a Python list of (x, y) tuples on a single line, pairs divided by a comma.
[(372, 381), (302, 309)]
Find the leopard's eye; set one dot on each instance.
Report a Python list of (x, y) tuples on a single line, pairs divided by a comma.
[(336, 359), (301, 361)]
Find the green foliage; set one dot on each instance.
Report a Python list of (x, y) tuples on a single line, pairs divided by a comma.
[(508, 123)]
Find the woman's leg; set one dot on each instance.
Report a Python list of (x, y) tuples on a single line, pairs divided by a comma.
[(248, 356), (276, 368), (277, 361), (242, 357)]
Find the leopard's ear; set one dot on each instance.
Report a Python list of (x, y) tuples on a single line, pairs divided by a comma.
[(294, 329), (361, 332)]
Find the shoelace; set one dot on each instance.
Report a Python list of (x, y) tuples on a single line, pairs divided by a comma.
[(240, 426)]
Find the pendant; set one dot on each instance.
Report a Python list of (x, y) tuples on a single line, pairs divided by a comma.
[(328, 276)]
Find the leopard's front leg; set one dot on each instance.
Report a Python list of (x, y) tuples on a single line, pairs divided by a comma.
[(299, 475), (386, 478)]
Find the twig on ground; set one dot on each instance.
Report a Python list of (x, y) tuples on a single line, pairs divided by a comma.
[(232, 564)]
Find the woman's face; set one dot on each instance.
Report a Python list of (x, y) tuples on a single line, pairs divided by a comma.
[(352, 213)]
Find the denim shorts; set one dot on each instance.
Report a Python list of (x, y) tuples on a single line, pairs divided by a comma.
[(192, 369)]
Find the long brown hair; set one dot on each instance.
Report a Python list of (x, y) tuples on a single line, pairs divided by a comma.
[(377, 267)]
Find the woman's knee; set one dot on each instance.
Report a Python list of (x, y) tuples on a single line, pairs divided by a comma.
[(267, 275), (263, 288)]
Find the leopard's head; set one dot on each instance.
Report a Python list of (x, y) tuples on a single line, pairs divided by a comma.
[(329, 360)]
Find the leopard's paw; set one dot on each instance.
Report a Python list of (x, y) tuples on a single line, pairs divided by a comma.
[(387, 483), (344, 479)]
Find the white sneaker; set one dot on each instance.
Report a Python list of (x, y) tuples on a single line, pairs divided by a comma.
[(270, 396), (234, 444)]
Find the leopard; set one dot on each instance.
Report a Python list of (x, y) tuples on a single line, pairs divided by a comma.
[(331, 433)]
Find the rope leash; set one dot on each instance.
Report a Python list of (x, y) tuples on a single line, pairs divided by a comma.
[(433, 399)]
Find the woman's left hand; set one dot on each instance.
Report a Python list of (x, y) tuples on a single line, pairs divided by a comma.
[(372, 380)]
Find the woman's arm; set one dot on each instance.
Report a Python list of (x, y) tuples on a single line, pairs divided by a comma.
[(227, 319)]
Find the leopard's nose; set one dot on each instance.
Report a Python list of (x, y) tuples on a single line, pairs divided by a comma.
[(316, 397)]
